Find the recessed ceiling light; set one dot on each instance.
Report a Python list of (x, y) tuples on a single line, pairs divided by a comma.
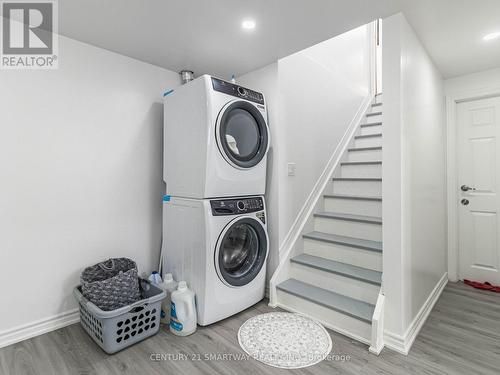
[(248, 24), (491, 36)]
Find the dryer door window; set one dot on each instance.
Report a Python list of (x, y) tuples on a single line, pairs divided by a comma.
[(243, 134), (242, 252)]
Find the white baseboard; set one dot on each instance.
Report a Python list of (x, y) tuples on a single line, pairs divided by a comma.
[(376, 350), (395, 342), (39, 327), (402, 344)]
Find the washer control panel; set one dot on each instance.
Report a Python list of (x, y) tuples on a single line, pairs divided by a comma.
[(236, 206), (238, 91)]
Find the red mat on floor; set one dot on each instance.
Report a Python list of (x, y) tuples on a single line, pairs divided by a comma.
[(484, 286)]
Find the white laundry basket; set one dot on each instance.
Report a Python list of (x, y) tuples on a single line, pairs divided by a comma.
[(117, 329)]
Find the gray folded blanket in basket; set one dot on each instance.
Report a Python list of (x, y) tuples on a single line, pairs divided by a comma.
[(111, 284)]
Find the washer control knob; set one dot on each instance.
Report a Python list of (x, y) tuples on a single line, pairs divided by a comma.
[(242, 91), (241, 205)]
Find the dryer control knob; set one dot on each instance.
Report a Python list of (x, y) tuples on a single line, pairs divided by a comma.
[(241, 205), (242, 91)]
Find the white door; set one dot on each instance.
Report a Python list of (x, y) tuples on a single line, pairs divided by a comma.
[(478, 153)]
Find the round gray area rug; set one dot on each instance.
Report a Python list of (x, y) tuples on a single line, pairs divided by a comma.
[(285, 340)]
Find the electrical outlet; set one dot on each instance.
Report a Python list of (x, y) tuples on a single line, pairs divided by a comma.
[(290, 167)]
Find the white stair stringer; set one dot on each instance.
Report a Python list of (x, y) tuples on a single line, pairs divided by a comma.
[(331, 269)]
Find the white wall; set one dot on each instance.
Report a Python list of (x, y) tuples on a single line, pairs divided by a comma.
[(392, 177), (414, 189), (312, 97), (475, 81), (321, 89), (266, 80), (80, 174)]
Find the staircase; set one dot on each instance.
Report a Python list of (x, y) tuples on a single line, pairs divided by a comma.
[(336, 277)]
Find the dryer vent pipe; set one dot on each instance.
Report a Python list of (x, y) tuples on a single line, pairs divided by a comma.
[(186, 76)]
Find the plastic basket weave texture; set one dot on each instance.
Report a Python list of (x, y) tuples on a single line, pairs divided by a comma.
[(115, 330)]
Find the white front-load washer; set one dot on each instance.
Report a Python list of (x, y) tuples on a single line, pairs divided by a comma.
[(220, 247), (216, 140)]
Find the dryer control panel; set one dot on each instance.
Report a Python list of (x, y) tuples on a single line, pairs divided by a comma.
[(238, 91), (236, 206)]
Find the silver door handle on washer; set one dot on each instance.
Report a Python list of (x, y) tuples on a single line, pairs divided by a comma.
[(466, 188)]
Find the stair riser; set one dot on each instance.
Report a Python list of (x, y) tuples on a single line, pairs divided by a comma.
[(368, 188), (354, 206), (378, 99), (368, 142), (368, 130), (332, 319), (339, 253), (365, 231), (364, 155), (361, 170), (336, 283), (376, 118)]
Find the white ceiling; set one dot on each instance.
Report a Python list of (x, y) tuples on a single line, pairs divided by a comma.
[(452, 32), (205, 35)]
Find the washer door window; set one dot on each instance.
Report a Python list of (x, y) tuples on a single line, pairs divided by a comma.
[(242, 134), (241, 252)]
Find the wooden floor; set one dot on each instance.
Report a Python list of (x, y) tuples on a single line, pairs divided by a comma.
[(461, 336)]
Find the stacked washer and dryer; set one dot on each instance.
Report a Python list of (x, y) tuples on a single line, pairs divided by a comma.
[(216, 140)]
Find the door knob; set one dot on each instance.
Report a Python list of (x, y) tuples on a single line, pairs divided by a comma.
[(465, 202), (466, 188)]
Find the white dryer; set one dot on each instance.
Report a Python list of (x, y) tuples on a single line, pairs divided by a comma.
[(220, 248), (216, 140)]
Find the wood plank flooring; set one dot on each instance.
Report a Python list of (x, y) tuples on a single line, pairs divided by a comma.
[(461, 336)]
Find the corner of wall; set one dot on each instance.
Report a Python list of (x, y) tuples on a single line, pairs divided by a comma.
[(408, 281), (392, 162), (403, 343)]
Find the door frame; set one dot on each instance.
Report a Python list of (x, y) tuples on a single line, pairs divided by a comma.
[(452, 100)]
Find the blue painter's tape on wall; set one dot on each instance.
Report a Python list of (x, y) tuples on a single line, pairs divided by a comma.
[(166, 198), (167, 92)]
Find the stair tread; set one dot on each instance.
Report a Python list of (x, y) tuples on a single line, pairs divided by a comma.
[(350, 217), (356, 179), (368, 136), (368, 162), (371, 124), (345, 241), (376, 104), (354, 197), (338, 302), (373, 114), (376, 148), (344, 269)]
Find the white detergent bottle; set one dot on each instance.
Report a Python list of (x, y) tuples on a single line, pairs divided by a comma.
[(168, 285), (183, 312)]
